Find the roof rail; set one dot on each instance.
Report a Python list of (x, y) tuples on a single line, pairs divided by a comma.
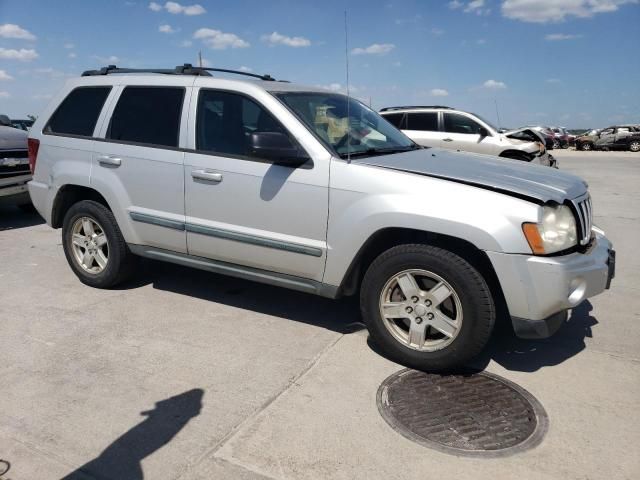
[(186, 69), (388, 109)]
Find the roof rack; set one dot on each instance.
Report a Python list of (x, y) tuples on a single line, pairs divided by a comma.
[(388, 109), (186, 69)]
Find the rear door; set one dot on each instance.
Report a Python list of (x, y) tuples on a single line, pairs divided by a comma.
[(137, 162), (607, 138), (462, 133), (243, 209), (422, 128), (622, 136)]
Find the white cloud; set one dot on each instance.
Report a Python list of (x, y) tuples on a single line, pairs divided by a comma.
[(72, 55), (5, 76), (5, 94), (439, 92), (166, 28), (474, 6), (156, 7), (375, 49), (219, 40), (11, 30), (245, 69), (554, 37), (545, 11), (22, 55), (455, 4), (276, 38), (109, 60), (177, 9), (69, 46), (494, 85)]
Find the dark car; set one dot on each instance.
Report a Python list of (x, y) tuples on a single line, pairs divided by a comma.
[(14, 165), (619, 137), (587, 140), (561, 137)]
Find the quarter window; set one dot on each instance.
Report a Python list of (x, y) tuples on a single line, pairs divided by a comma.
[(455, 123), (226, 121), (426, 121), (148, 115), (79, 112)]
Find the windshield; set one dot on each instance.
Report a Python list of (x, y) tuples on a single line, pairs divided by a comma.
[(347, 127), (488, 123)]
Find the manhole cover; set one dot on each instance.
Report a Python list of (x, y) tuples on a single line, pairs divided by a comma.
[(477, 414)]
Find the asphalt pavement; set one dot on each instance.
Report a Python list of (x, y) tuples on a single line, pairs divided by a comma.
[(182, 374)]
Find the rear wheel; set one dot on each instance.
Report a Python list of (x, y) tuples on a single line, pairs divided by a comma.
[(634, 146), (556, 144), (586, 147), (94, 246), (426, 307)]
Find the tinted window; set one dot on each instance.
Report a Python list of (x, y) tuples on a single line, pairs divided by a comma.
[(396, 119), (226, 121), (455, 123), (79, 112), (423, 121), (148, 115)]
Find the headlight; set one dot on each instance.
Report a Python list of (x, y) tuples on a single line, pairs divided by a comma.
[(556, 232)]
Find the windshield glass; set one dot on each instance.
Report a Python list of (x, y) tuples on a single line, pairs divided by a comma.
[(346, 126), (487, 122)]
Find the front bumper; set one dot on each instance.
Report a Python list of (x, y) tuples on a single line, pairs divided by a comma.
[(540, 290), (13, 190)]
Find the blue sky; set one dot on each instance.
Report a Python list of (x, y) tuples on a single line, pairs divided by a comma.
[(557, 62)]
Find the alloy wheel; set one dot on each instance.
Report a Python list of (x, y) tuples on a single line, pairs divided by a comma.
[(89, 245)]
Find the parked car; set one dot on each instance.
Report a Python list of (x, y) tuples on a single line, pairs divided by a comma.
[(546, 132), (14, 165), (620, 137), (308, 189), (22, 124), (587, 140), (561, 137), (446, 127)]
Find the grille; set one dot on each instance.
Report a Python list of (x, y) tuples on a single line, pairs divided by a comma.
[(476, 414), (585, 218), (14, 154)]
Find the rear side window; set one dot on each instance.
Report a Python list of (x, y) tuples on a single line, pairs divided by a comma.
[(149, 115), (79, 112), (455, 123), (427, 121), (396, 119)]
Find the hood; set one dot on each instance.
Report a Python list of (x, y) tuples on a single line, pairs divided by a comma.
[(526, 134), (13, 138), (512, 177)]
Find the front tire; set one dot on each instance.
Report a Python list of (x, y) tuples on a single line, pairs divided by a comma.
[(94, 246), (426, 307), (635, 146)]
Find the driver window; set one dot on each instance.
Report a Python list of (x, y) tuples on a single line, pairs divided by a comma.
[(225, 122), (455, 123)]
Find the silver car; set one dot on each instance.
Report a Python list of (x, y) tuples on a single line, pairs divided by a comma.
[(310, 190)]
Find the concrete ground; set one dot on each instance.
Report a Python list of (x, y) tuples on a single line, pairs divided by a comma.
[(189, 375)]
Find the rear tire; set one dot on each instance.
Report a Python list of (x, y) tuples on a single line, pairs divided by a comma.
[(469, 310), (94, 246)]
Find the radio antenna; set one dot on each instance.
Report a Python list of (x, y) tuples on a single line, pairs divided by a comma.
[(346, 55), (495, 101)]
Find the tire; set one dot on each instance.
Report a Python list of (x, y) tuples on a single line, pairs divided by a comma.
[(556, 144), (470, 298), (634, 146), (120, 262)]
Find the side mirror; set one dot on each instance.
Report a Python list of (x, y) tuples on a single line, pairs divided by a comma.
[(277, 147), (483, 132)]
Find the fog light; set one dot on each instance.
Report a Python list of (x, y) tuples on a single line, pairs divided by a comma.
[(576, 291)]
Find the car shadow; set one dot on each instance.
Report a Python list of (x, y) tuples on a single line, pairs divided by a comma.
[(12, 218), (122, 459), (341, 316), (521, 355)]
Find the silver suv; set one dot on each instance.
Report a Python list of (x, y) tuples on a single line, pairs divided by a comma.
[(446, 127), (307, 189)]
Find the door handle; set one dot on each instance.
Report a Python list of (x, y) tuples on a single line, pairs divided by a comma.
[(447, 139), (206, 175), (109, 160)]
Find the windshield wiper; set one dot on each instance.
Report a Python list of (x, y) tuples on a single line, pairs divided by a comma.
[(380, 151)]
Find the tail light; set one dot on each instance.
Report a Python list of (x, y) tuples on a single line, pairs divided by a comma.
[(33, 145)]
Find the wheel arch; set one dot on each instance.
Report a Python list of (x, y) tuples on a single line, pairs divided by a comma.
[(516, 155), (70, 194)]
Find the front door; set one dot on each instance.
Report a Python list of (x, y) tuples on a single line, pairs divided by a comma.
[(462, 133), (422, 128), (246, 210)]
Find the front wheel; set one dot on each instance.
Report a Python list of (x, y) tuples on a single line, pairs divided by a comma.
[(586, 147), (426, 307), (94, 246), (635, 146)]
